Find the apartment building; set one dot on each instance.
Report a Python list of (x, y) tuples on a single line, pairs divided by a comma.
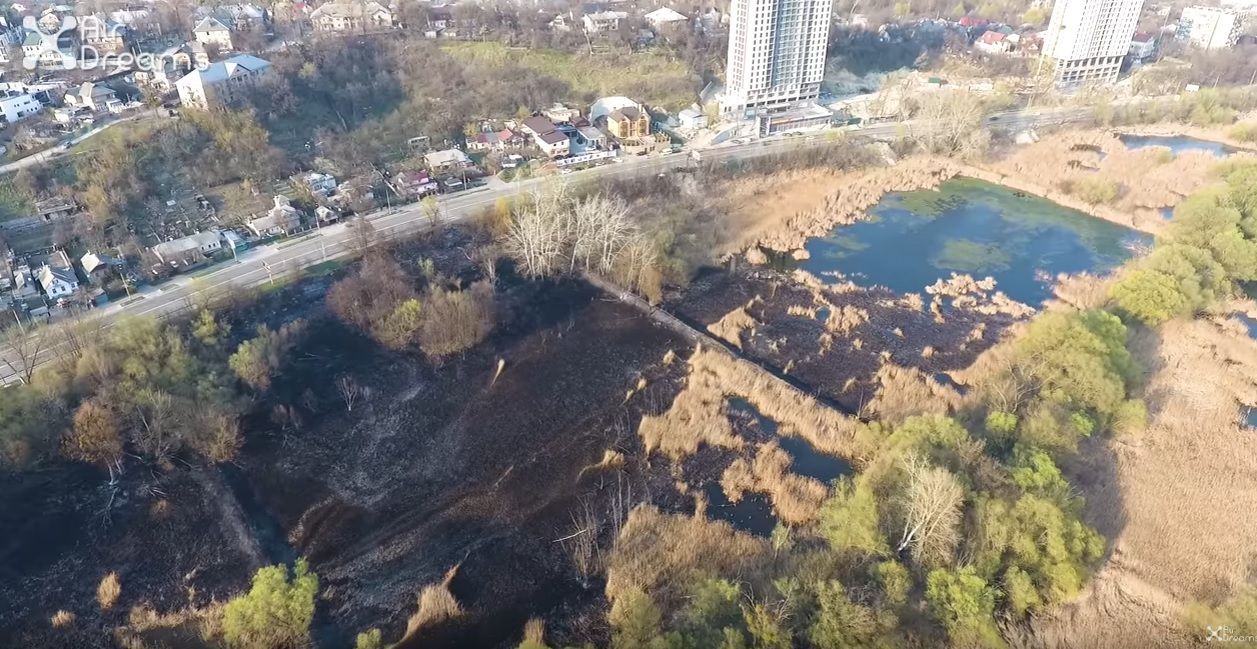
[(776, 54), (1087, 39), (1210, 28)]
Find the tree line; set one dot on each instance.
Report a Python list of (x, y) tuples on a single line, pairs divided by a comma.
[(141, 391)]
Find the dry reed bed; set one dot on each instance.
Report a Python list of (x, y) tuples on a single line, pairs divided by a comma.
[(906, 391), (1175, 501), (781, 211), (795, 498), (1149, 178), (657, 551), (699, 414), (730, 327)]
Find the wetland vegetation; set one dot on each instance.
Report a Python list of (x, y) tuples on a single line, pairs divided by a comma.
[(460, 442)]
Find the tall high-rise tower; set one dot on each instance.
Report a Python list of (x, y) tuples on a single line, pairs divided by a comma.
[(1086, 39), (776, 53)]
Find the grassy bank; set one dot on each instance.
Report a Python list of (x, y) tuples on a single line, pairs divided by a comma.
[(648, 77)]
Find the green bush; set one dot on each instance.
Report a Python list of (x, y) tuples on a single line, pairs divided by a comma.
[(1093, 190), (277, 610), (964, 605), (1244, 132)]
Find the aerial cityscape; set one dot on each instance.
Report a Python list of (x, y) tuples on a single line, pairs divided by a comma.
[(628, 324)]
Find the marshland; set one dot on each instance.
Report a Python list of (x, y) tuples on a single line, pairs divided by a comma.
[(848, 398)]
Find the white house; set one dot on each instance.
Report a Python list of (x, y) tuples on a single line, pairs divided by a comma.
[(94, 97), (321, 184), (547, 136), (18, 107), (281, 219), (603, 21), (691, 118), (57, 282), (204, 243), (351, 17), (1143, 46), (447, 160), (211, 31), (665, 17), (221, 83)]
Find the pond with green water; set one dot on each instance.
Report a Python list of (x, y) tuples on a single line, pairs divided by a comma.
[(969, 226)]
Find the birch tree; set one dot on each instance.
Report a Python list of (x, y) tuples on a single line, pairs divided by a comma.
[(931, 511)]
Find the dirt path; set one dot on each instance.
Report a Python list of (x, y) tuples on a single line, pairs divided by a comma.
[(231, 515)]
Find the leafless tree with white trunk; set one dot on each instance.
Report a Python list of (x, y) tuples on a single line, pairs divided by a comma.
[(350, 391), (931, 511), (552, 234)]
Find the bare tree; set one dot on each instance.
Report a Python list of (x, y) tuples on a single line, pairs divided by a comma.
[(364, 237), (952, 123), (551, 235), (350, 391), (582, 543), (536, 235), (931, 509), (24, 348), (156, 424)]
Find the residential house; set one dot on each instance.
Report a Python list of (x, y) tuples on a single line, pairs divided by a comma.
[(325, 214), (547, 136), (350, 16), (94, 97), (188, 250), (211, 31), (482, 141), (561, 23), (18, 107), (590, 137), (666, 18), (319, 184), (97, 266), (495, 141), (993, 42), (103, 37), (559, 113), (281, 219), (628, 123), (1143, 46), (415, 184), (24, 286), (237, 17), (51, 209), (446, 161), (603, 21), (222, 83), (50, 22), (34, 49), (691, 118), (57, 283)]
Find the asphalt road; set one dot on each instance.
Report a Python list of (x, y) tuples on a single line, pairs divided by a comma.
[(274, 261)]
